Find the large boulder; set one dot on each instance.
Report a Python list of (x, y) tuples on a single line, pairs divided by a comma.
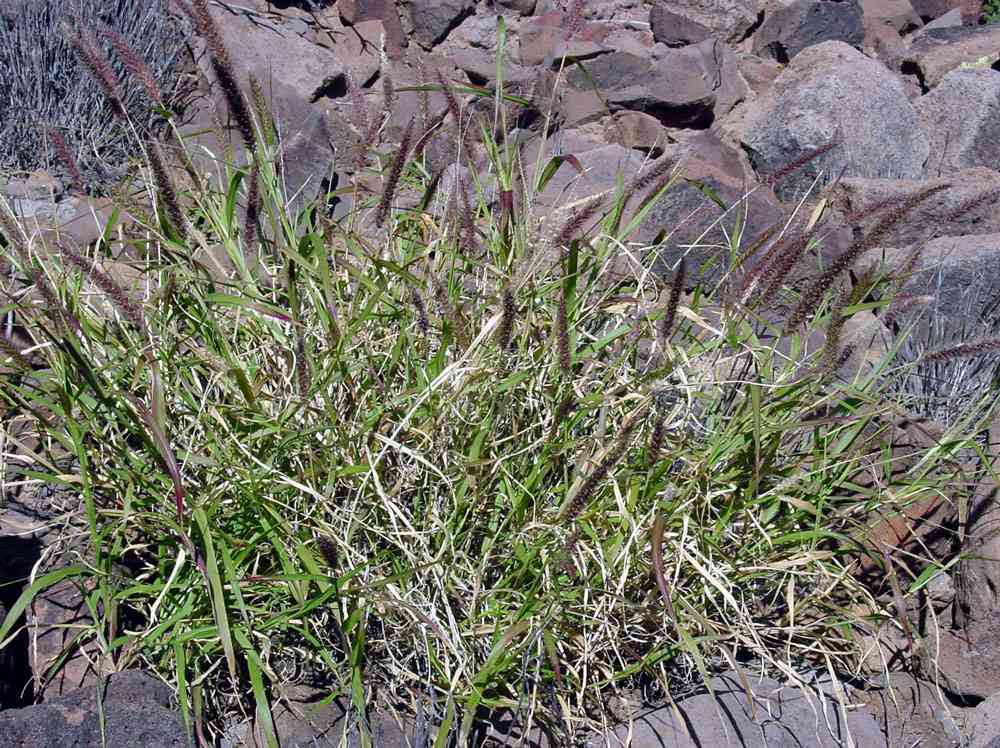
[(794, 26), (833, 93), (137, 711), (936, 52), (961, 118)]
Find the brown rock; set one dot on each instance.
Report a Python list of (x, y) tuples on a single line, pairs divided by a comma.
[(937, 52), (932, 218), (897, 14), (675, 29), (930, 9), (57, 615), (357, 11), (693, 223), (636, 130), (911, 712)]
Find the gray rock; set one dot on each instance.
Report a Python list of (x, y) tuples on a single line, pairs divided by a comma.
[(937, 52), (804, 23), (694, 224), (729, 20), (949, 20), (961, 118), (675, 29), (433, 19), (983, 728), (831, 92), (968, 656), (137, 712), (779, 717)]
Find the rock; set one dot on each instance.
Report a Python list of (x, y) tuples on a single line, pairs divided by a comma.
[(600, 167), (674, 29), (968, 657), (794, 26), (480, 31), (983, 726), (303, 720), (931, 9), (937, 52), (758, 72), (961, 117), (301, 81), (949, 20), (936, 216), (897, 14), (780, 717), (137, 712), (832, 93), (884, 43), (353, 12), (729, 20), (636, 130), (524, 7), (687, 87), (693, 223), (544, 40), (433, 19), (38, 185), (57, 614), (911, 712)]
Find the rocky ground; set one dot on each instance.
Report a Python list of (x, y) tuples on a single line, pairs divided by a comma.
[(909, 90)]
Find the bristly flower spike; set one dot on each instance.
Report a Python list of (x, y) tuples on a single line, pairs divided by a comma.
[(389, 190), (97, 63), (223, 68), (135, 65)]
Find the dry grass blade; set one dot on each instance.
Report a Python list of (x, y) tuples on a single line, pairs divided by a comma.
[(659, 568)]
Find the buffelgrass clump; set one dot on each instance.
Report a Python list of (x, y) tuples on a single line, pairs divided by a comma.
[(494, 501), (47, 83)]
